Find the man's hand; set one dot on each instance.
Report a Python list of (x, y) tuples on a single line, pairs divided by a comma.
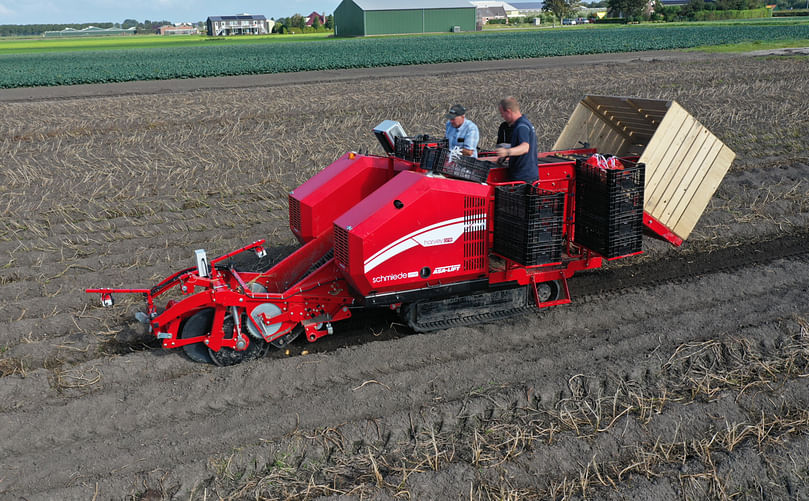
[(514, 151)]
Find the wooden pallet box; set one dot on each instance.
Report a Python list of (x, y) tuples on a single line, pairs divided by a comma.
[(684, 161)]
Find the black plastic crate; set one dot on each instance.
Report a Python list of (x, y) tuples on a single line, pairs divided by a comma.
[(412, 148), (527, 202), (610, 237), (468, 168), (434, 159), (608, 225), (592, 197), (530, 244), (528, 224), (612, 180), (609, 208), (623, 239)]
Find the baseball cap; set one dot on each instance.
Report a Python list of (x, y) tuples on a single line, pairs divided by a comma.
[(456, 111)]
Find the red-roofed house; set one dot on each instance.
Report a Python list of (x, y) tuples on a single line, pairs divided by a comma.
[(311, 18)]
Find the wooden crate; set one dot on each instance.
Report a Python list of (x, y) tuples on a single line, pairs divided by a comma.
[(684, 161)]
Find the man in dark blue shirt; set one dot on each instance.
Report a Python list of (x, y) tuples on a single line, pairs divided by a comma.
[(522, 155)]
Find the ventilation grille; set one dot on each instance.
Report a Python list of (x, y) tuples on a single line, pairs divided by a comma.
[(341, 246), (474, 234), (294, 213)]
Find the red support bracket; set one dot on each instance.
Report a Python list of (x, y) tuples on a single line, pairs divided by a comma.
[(107, 299), (257, 247), (661, 230), (563, 299)]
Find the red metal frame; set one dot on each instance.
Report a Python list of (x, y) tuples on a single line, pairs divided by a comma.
[(661, 229), (313, 298)]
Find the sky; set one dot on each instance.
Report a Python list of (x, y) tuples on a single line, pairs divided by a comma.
[(116, 11)]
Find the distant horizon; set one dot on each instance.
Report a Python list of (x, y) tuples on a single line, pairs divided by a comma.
[(176, 11)]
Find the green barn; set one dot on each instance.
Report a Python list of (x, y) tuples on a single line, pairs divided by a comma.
[(356, 18)]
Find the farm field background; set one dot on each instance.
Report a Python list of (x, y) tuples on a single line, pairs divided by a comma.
[(678, 374), (39, 45), (170, 60)]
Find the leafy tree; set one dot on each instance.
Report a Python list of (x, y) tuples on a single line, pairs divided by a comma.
[(316, 23), (627, 8), (129, 23), (329, 22), (657, 11), (297, 21), (693, 6), (561, 8)]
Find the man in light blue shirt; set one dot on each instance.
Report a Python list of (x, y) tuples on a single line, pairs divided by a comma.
[(462, 134)]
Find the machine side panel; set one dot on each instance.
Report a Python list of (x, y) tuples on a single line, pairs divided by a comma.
[(416, 231), (314, 205)]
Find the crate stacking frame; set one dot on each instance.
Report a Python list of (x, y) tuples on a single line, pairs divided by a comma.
[(528, 224), (412, 148), (609, 208)]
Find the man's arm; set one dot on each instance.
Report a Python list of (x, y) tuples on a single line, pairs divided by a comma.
[(470, 142), (514, 151)]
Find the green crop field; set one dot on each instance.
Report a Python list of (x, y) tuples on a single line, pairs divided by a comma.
[(217, 59), (39, 45)]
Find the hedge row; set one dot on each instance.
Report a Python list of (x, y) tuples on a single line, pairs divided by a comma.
[(718, 15), (790, 13)]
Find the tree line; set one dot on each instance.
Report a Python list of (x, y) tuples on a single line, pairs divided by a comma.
[(22, 30), (297, 23), (636, 10)]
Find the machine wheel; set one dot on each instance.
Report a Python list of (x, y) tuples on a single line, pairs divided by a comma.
[(228, 356), (197, 324), (549, 291)]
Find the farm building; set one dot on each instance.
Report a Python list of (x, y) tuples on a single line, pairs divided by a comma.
[(511, 10), (181, 29), (528, 7), (486, 14), (241, 24), (380, 17), (310, 19), (90, 31)]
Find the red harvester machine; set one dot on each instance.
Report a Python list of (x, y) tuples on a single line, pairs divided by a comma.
[(443, 243)]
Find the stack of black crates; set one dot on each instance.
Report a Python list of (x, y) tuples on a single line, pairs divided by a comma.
[(609, 208), (412, 148), (528, 223), (469, 168)]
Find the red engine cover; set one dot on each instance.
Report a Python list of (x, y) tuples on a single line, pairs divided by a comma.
[(332, 191), (414, 231)]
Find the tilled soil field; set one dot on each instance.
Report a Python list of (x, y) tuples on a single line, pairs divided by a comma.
[(678, 374)]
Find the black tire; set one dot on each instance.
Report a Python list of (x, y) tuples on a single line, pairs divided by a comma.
[(197, 324), (549, 291)]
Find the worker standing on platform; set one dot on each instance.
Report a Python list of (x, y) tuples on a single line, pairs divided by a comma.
[(463, 134), (522, 154)]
